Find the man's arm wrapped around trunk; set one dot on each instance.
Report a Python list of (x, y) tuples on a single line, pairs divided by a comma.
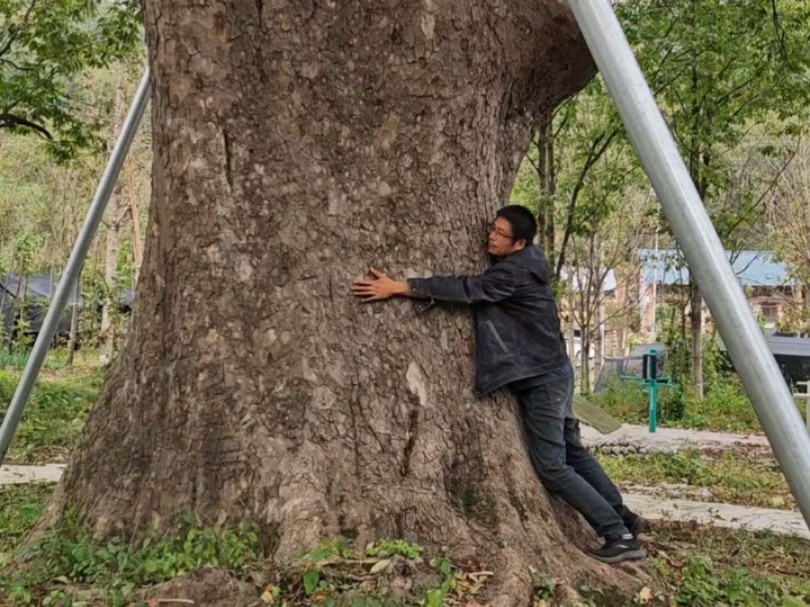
[(494, 285)]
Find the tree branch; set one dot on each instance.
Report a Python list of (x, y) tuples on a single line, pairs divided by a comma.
[(598, 148), (11, 120), (753, 207), (14, 31)]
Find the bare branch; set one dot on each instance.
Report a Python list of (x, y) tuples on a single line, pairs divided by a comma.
[(759, 202), (598, 147)]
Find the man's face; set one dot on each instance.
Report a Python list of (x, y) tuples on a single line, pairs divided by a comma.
[(500, 242)]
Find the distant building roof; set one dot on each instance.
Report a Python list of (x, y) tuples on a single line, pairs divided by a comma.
[(753, 268), (783, 345)]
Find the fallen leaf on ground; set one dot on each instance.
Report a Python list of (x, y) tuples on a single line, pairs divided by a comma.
[(645, 595)]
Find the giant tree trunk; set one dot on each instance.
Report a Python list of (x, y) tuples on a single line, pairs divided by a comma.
[(295, 145)]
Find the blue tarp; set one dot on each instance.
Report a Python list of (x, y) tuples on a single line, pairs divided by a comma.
[(36, 286), (38, 290)]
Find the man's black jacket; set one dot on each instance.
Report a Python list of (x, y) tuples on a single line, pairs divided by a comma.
[(517, 327)]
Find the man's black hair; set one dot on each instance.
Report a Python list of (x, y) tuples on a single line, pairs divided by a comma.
[(524, 225)]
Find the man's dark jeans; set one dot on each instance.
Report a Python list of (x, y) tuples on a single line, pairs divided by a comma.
[(565, 467)]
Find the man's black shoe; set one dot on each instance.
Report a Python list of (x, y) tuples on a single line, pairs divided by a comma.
[(618, 550), (636, 524)]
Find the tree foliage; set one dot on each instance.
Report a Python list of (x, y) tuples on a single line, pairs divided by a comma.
[(45, 46), (731, 78), (719, 68)]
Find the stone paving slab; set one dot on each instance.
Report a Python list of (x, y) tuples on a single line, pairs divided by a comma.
[(785, 522), (22, 475), (669, 439)]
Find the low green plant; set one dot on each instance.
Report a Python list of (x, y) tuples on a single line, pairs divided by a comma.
[(702, 566), (329, 576), (543, 587), (704, 583), (697, 566), (339, 547), (434, 597), (725, 406), (16, 357), (387, 548), (71, 555)]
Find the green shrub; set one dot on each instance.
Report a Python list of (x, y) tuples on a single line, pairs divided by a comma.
[(629, 402), (724, 407)]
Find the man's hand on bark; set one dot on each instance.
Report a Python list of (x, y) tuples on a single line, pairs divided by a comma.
[(381, 287)]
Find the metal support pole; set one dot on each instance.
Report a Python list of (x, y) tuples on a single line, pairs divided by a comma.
[(74, 264), (693, 229)]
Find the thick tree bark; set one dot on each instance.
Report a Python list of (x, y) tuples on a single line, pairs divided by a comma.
[(696, 323), (295, 145), (548, 185)]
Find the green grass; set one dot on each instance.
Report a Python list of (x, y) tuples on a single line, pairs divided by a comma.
[(706, 567), (731, 477), (55, 414), (16, 358), (756, 550), (109, 569), (696, 566), (628, 402), (68, 566), (701, 566), (20, 509), (725, 407)]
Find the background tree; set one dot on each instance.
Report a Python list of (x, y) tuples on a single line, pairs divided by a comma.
[(44, 48), (602, 285), (48, 200), (717, 68), (581, 176), (789, 217)]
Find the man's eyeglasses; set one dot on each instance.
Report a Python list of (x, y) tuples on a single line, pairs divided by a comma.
[(491, 228)]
